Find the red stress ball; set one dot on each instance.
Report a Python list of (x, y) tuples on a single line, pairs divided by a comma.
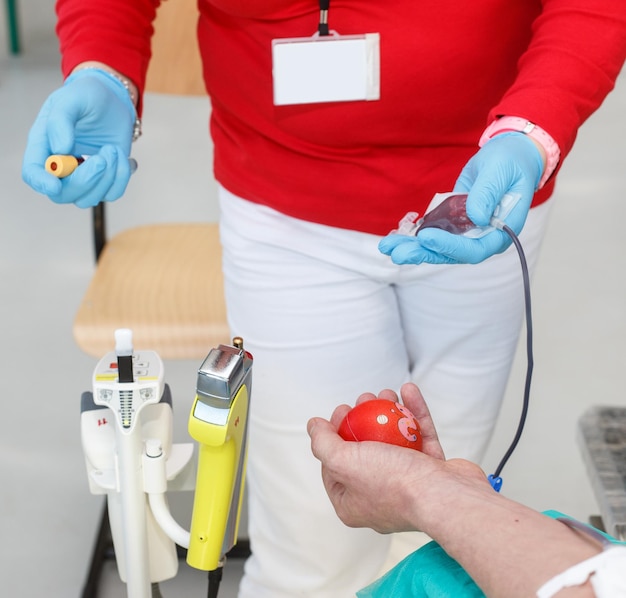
[(384, 421)]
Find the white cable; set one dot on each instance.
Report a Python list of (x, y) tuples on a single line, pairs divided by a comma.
[(164, 518)]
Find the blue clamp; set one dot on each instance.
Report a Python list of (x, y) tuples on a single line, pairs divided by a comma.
[(496, 482)]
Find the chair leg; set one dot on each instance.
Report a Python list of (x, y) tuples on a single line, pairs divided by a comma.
[(98, 223), (12, 21), (101, 552)]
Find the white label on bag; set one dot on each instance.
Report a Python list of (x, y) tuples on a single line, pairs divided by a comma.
[(329, 68)]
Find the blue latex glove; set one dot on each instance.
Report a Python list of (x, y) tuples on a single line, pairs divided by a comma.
[(508, 163), (93, 115)]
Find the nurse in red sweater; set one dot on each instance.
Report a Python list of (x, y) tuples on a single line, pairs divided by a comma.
[(315, 164)]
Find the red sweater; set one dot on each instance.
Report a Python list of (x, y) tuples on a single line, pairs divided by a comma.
[(447, 69)]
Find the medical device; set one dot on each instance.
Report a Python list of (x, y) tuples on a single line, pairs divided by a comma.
[(126, 432), (218, 422), (448, 212)]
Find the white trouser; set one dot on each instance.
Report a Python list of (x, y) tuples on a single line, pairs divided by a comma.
[(327, 317)]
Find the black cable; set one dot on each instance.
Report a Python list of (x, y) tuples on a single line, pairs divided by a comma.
[(215, 578), (529, 350)]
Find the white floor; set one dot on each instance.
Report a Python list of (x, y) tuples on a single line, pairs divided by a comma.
[(47, 516)]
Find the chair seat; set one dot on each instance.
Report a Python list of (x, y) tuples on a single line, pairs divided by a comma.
[(147, 280)]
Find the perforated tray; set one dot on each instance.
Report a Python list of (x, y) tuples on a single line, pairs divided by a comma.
[(602, 440)]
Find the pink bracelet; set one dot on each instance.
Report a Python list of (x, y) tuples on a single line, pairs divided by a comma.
[(507, 124)]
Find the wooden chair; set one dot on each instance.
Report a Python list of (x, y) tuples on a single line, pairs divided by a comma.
[(163, 281)]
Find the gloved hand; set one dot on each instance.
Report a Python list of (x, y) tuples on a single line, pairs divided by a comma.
[(507, 163), (92, 114)]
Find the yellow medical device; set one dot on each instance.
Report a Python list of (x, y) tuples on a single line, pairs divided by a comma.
[(218, 422)]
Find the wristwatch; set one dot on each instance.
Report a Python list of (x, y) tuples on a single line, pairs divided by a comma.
[(506, 124)]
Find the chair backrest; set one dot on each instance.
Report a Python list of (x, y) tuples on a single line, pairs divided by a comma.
[(176, 66)]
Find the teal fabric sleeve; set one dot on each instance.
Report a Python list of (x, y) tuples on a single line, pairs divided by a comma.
[(430, 573), (427, 573)]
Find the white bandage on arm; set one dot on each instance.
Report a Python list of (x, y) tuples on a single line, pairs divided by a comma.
[(606, 572)]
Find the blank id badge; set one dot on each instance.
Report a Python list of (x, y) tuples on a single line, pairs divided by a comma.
[(326, 68)]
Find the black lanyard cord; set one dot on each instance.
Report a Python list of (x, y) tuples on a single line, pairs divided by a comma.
[(323, 26)]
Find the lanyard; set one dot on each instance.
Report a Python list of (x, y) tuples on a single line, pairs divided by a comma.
[(323, 26)]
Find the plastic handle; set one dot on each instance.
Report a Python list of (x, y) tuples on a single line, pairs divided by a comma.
[(219, 485)]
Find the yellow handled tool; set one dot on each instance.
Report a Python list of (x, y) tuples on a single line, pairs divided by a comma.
[(218, 422)]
